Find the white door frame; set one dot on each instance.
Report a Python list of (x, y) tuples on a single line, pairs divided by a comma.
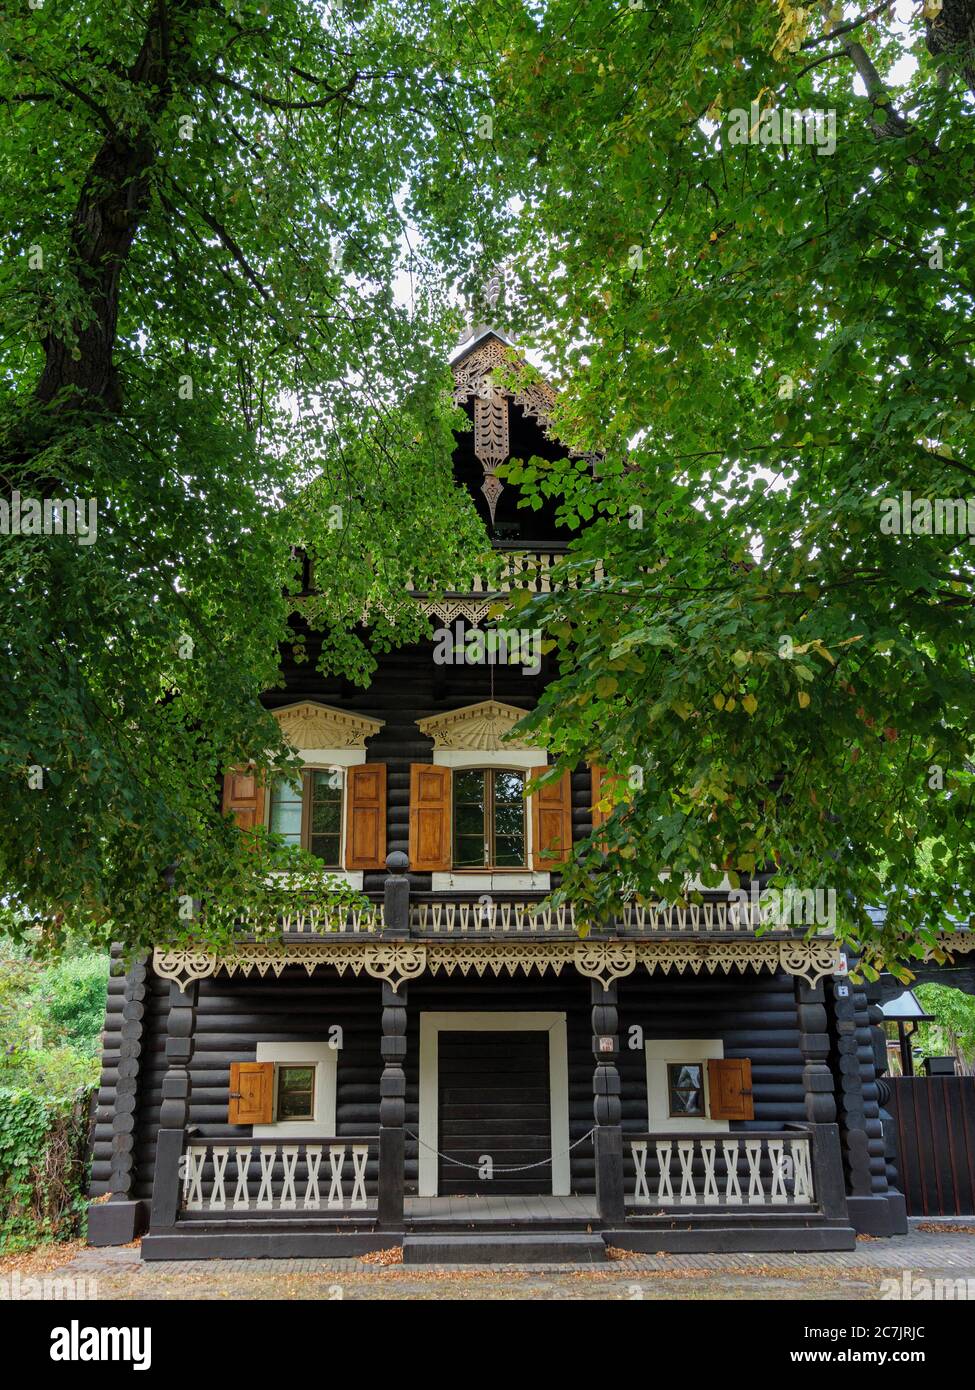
[(433, 1024)]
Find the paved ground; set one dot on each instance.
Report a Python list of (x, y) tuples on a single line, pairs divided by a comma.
[(856, 1274)]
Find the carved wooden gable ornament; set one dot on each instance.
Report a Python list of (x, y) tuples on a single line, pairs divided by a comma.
[(311, 725), (485, 726)]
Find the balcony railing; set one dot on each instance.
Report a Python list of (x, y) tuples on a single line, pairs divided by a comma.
[(439, 915), (529, 569), (766, 1169), (278, 1175)]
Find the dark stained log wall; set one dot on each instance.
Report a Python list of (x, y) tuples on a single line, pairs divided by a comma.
[(872, 1124), (755, 1015), (101, 1167)]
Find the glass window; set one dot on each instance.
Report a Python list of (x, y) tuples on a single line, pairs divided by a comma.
[(685, 1087), (489, 819), (296, 1093), (325, 816), (286, 810), (309, 813)]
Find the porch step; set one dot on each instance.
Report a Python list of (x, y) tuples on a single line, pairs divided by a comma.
[(503, 1247)]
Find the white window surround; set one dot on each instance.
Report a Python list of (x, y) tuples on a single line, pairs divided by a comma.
[(323, 759), (661, 1051), (324, 1058), (433, 1024), (523, 760)]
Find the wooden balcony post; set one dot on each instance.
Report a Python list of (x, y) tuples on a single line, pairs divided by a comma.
[(174, 1111), (607, 1109), (392, 1085), (392, 1108), (396, 896)]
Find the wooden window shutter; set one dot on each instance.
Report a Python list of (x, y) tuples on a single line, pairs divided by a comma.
[(730, 1089), (243, 797), (251, 1093), (551, 821), (429, 818), (365, 816)]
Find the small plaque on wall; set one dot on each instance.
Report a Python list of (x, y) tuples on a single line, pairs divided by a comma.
[(607, 1045)]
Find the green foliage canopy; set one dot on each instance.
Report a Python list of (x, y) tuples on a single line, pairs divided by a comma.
[(767, 345), (207, 211)]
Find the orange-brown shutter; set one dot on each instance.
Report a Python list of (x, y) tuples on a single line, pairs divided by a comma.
[(730, 1089), (552, 821), (251, 1093), (243, 797), (429, 818), (365, 823)]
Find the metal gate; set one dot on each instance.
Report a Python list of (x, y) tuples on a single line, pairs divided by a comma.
[(934, 1123)]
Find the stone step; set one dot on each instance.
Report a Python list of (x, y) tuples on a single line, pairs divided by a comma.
[(503, 1247)]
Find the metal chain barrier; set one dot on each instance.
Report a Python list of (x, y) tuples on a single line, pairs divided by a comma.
[(523, 1168)]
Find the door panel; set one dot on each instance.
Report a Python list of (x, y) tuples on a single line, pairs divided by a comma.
[(494, 1100)]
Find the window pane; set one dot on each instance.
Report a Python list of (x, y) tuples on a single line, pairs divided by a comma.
[(509, 820), (469, 851), (326, 847), (296, 1089), (325, 818), (297, 1078), (509, 786), (286, 810), (509, 851), (685, 1084), (470, 820), (469, 786), (327, 786)]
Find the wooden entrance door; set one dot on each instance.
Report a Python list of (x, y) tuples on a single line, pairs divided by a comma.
[(494, 1102)]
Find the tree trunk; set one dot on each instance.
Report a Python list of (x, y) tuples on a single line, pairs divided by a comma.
[(112, 203)]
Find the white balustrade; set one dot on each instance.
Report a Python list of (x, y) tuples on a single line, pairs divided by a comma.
[(730, 1170), (276, 1176)]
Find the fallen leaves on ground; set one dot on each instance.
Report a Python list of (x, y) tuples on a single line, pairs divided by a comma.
[(42, 1259), (945, 1228), (392, 1256)]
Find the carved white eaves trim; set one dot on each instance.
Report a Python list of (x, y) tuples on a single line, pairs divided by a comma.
[(395, 962), (312, 725)]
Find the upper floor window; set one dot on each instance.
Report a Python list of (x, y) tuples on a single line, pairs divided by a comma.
[(309, 813), (489, 819)]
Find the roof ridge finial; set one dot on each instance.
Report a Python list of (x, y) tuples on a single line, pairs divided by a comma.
[(483, 304)]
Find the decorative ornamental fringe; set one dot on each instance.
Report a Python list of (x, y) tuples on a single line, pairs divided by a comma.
[(605, 961)]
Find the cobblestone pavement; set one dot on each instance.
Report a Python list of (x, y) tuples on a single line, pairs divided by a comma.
[(855, 1274)]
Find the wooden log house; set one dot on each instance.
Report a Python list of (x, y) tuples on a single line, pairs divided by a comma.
[(455, 1069)]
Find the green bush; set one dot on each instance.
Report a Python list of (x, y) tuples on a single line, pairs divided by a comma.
[(43, 1166), (51, 1017), (953, 1031), (73, 1001)]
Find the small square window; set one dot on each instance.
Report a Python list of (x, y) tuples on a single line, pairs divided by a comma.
[(296, 1093), (685, 1089)]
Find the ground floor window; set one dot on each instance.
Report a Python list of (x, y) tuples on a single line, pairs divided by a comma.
[(295, 1093), (678, 1086)]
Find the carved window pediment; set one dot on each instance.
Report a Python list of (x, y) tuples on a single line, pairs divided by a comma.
[(312, 725), (481, 726)]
